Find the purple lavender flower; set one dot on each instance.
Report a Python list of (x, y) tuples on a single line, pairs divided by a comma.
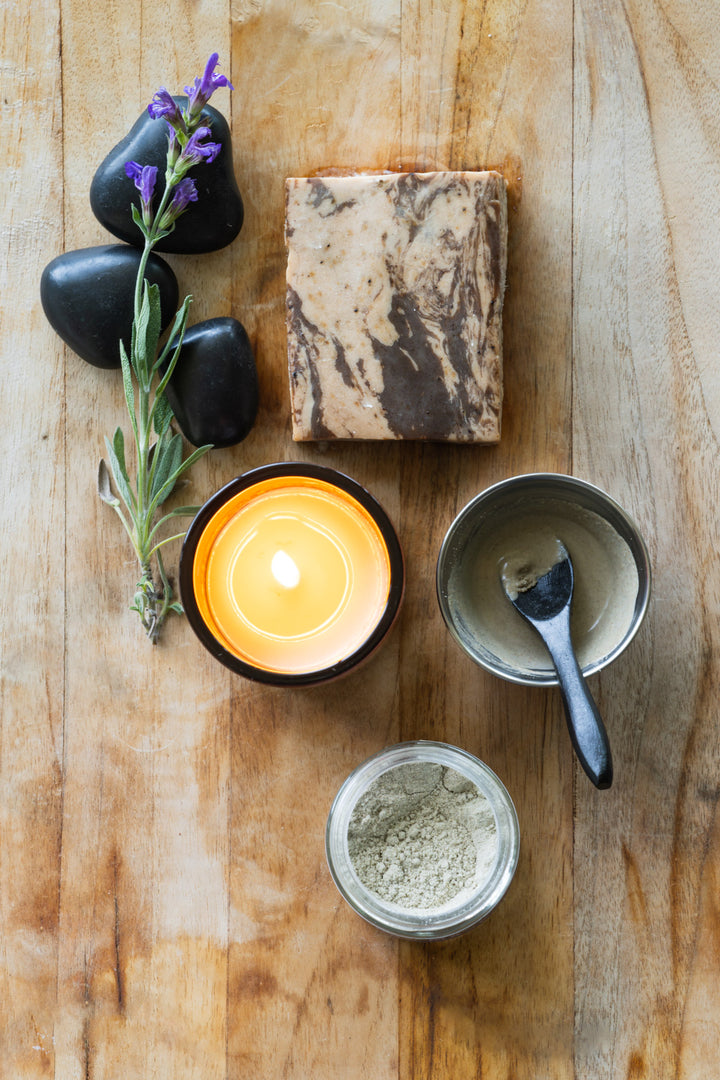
[(184, 193), (188, 145), (163, 104), (202, 90), (173, 150), (195, 150), (144, 177)]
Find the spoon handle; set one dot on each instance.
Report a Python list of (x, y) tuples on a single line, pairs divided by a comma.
[(587, 730)]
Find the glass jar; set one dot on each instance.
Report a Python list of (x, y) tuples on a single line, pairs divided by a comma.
[(469, 906), (292, 574)]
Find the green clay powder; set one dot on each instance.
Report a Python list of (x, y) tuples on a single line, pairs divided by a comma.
[(423, 836)]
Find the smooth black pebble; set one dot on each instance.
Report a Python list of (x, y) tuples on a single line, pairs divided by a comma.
[(88, 298), (207, 225), (213, 390)]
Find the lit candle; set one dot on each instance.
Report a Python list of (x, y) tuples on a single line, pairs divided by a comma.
[(291, 574)]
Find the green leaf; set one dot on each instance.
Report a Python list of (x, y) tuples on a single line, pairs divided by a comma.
[(128, 387), (106, 494), (195, 456), (104, 489), (119, 448), (178, 511), (120, 476), (167, 540), (154, 326), (140, 339), (174, 340), (169, 484), (162, 414), (161, 234), (147, 333), (166, 462), (137, 218)]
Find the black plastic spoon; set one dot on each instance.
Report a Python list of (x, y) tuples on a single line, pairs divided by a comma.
[(546, 606)]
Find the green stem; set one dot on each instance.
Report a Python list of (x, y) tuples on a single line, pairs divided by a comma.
[(146, 596), (167, 593), (152, 604), (168, 539), (151, 239)]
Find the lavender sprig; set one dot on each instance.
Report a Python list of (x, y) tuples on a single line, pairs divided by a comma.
[(158, 451)]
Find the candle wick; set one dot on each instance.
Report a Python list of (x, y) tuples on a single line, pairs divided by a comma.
[(285, 570)]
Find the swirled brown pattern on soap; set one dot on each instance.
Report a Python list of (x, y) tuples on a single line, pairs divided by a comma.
[(394, 305)]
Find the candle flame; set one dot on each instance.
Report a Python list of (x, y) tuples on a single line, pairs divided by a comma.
[(285, 570)]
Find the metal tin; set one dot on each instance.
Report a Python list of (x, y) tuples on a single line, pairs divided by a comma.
[(486, 508)]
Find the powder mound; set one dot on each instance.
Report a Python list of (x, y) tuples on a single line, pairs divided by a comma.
[(422, 835), (397, 866)]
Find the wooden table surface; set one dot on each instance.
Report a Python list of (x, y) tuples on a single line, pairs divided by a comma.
[(165, 906)]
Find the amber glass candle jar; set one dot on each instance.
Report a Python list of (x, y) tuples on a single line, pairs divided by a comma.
[(292, 574)]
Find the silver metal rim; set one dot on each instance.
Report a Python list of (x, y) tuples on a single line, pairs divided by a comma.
[(592, 497)]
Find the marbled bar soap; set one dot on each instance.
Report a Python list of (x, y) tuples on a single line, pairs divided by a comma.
[(394, 305)]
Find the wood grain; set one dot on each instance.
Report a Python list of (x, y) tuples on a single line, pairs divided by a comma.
[(165, 908), (142, 970), (32, 551), (639, 371)]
